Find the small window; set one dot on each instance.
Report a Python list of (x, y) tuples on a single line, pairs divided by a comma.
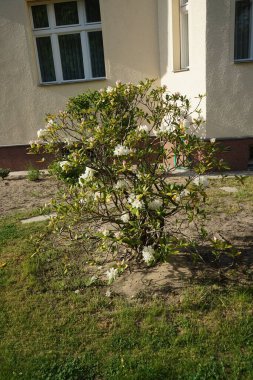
[(92, 11), (40, 17), (243, 30), (184, 35), (68, 40), (66, 13), (250, 162)]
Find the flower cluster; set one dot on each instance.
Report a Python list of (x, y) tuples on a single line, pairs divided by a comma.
[(135, 202), (148, 255), (87, 175), (121, 150), (111, 274)]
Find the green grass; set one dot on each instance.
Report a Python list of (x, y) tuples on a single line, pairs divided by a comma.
[(230, 203), (48, 332)]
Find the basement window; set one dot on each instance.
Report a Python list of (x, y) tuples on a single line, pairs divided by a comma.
[(68, 41), (250, 162)]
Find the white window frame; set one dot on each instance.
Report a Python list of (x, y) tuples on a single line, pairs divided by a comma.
[(53, 31), (250, 58), (184, 35)]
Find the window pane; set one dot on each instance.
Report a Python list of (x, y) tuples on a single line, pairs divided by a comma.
[(92, 10), (66, 13), (46, 61), (96, 54), (242, 29), (184, 40), (40, 19), (71, 56)]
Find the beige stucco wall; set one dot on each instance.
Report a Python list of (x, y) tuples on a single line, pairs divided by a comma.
[(229, 85), (130, 34), (192, 82)]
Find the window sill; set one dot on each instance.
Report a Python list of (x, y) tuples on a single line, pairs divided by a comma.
[(181, 70), (71, 82), (248, 60)]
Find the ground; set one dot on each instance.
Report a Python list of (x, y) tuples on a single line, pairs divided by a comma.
[(181, 320), (20, 194), (230, 216)]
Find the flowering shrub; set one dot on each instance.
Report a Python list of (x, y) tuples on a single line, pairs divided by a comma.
[(117, 150)]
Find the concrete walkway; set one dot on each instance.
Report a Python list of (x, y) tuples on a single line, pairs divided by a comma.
[(176, 173), (39, 218)]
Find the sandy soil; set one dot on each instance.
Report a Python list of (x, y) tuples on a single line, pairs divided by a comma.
[(20, 194)]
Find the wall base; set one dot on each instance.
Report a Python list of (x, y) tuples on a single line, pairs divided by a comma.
[(238, 154), (18, 158)]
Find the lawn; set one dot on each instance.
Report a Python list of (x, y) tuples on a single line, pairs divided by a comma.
[(54, 326)]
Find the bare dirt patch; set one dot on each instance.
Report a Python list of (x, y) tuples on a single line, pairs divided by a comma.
[(22, 195)]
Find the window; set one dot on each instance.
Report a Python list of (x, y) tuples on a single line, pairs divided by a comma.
[(184, 35), (243, 30), (68, 39)]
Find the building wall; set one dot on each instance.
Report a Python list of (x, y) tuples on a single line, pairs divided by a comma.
[(191, 82), (229, 84), (130, 35)]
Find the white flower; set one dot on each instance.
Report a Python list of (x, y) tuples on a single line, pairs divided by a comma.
[(88, 174), (164, 128), (212, 141), (108, 293), (82, 201), (131, 198), (93, 279), (105, 232), (111, 274), (118, 234), (148, 254), (155, 132), (144, 128), (97, 195), (183, 194), (155, 204), (65, 165), (201, 181), (125, 218), (40, 133), (121, 184), (109, 89), (121, 150), (91, 139), (134, 201), (169, 128), (49, 123), (77, 291), (137, 203)]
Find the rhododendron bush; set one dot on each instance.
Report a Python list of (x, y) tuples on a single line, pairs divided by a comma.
[(116, 152)]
